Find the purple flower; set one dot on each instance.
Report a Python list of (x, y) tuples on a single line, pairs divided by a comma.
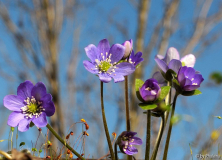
[(128, 48), (188, 79), (135, 59), (31, 104), (188, 60), (150, 90), (126, 140), (104, 61)]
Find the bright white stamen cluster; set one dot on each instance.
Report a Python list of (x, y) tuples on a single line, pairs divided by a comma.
[(127, 143), (191, 81), (105, 65), (33, 108), (130, 61)]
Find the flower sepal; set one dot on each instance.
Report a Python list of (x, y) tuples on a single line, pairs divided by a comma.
[(191, 93), (31, 124), (146, 106), (138, 85)]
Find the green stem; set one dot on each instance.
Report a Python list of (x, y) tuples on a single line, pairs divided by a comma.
[(170, 129), (63, 142), (147, 155), (12, 141), (160, 134), (116, 153), (105, 124), (127, 110), (168, 101)]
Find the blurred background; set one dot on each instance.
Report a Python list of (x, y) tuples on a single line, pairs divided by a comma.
[(44, 40)]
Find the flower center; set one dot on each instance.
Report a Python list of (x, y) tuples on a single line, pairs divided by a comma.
[(104, 66), (32, 108)]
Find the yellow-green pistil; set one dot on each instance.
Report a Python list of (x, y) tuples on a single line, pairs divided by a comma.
[(33, 108), (104, 66)]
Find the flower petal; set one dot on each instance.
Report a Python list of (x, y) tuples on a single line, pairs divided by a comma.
[(191, 87), (198, 79), (89, 66), (159, 77), (24, 89), (14, 118), (41, 121), (185, 82), (124, 69), (189, 72), (130, 150), (104, 77), (172, 53), (24, 124), (46, 98), (116, 53), (103, 47), (189, 60), (175, 65), (136, 141), (117, 77), (38, 91), (13, 102), (161, 64), (149, 98), (92, 52), (49, 108)]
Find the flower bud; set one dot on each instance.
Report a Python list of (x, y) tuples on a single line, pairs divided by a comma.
[(150, 90), (128, 48)]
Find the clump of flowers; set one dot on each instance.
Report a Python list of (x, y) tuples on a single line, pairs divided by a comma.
[(105, 61), (126, 140), (31, 104)]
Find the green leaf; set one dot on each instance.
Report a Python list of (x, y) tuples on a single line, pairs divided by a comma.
[(164, 91), (21, 144), (138, 85), (170, 74), (34, 149), (40, 151), (219, 117), (191, 93), (145, 106)]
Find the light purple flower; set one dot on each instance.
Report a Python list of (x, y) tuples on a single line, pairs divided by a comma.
[(135, 59), (188, 60), (104, 61), (188, 79), (150, 90), (126, 140), (128, 48), (31, 104)]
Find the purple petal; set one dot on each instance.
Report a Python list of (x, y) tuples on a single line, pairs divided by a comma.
[(175, 65), (181, 77), (189, 60), (182, 70), (191, 87), (161, 64), (124, 69), (158, 76), (136, 141), (103, 47), (117, 77), (190, 72), (185, 82), (24, 125), (130, 150), (129, 133), (149, 98), (92, 52), (128, 48), (89, 66), (172, 53), (13, 102), (49, 108), (41, 121), (24, 89), (14, 118), (46, 98), (116, 53), (198, 79), (38, 91), (104, 77)]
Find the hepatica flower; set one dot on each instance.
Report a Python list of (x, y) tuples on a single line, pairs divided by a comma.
[(104, 61), (188, 79), (126, 140), (128, 48), (31, 104), (150, 90), (135, 59)]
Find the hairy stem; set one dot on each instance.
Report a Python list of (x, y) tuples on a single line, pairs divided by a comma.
[(147, 155), (160, 134), (116, 153), (170, 129), (105, 124), (63, 142)]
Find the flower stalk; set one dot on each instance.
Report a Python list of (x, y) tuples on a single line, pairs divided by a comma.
[(116, 152), (160, 134), (63, 142), (147, 154), (105, 124), (170, 129)]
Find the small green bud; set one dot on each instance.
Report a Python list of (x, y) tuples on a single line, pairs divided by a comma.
[(12, 129)]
